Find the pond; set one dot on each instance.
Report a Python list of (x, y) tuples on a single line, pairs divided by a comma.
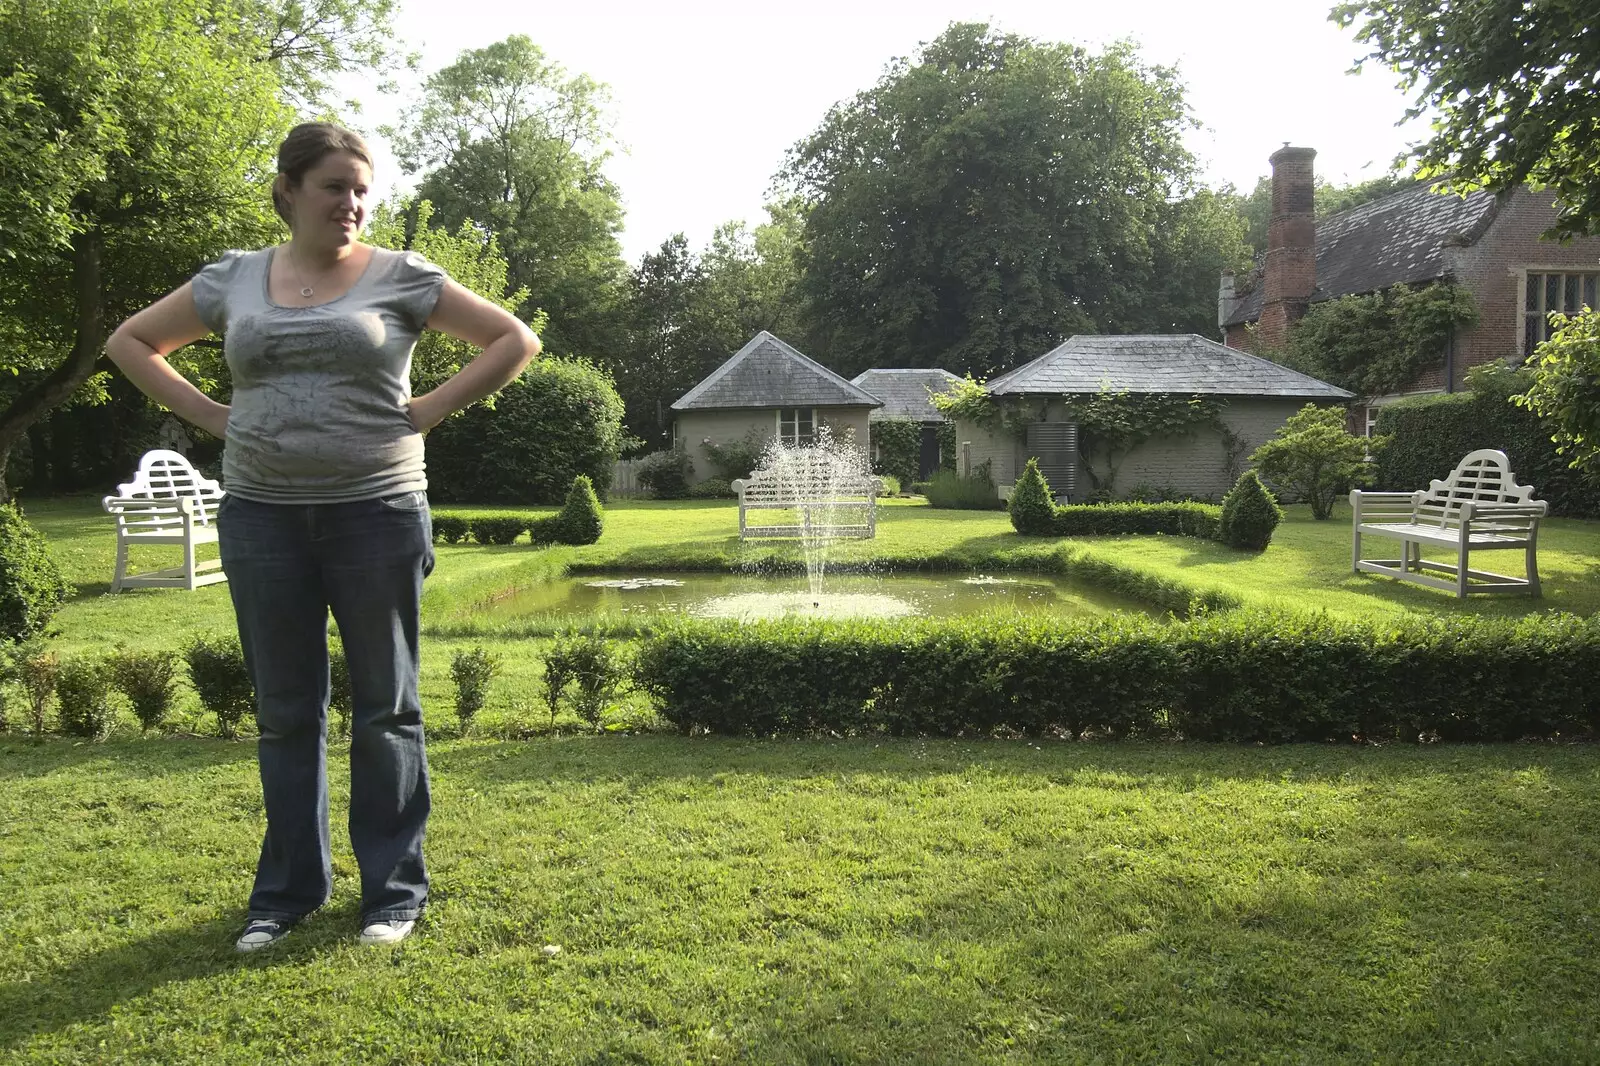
[(845, 595)]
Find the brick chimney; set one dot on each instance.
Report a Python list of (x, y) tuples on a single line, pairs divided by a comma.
[(1290, 274)]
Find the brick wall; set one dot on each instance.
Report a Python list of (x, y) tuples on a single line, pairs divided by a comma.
[(1492, 270)]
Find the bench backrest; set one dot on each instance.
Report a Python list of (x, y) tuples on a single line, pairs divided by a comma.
[(765, 486), (150, 502), (1484, 476)]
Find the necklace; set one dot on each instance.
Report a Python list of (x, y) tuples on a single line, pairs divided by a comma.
[(306, 291)]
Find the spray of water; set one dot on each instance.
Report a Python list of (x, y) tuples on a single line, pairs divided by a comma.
[(824, 477)]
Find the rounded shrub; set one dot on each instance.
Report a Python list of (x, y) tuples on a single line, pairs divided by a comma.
[(560, 418), (666, 474), (83, 692), (31, 586), (220, 678), (1032, 508), (148, 680), (1249, 515)]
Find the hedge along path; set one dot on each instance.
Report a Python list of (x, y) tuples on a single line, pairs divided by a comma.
[(1242, 676)]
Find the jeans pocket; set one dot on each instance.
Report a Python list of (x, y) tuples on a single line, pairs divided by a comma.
[(413, 501)]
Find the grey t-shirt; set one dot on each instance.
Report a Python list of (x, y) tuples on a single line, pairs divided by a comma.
[(320, 393)]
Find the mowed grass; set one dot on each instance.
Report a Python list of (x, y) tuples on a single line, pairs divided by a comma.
[(828, 902)]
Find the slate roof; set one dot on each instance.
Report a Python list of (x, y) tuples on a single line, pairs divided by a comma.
[(1400, 238), (905, 392), (1180, 363), (766, 372)]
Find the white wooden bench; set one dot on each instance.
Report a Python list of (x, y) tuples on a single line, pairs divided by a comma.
[(827, 508), (1479, 507), (168, 502)]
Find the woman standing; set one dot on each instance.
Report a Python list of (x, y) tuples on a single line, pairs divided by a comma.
[(326, 510)]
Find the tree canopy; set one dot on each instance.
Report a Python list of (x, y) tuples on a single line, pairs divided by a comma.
[(1515, 86), (994, 194), (134, 166), (507, 138)]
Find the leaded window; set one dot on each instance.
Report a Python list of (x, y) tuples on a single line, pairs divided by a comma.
[(1545, 292)]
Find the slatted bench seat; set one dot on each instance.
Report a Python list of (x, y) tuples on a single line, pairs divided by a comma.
[(168, 502), (1479, 507), (822, 508)]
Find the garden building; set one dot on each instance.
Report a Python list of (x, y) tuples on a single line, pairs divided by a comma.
[(1224, 402), (767, 389), (911, 438), (1491, 246)]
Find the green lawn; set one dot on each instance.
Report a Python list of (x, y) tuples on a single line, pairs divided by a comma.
[(828, 902), (860, 901)]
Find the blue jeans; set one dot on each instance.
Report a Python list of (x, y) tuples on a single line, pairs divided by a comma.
[(287, 566)]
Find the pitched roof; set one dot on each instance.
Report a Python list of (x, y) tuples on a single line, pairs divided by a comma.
[(905, 392), (766, 372), (1179, 363), (1399, 238)]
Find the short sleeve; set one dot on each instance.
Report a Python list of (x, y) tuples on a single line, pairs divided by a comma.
[(211, 286), (418, 284)]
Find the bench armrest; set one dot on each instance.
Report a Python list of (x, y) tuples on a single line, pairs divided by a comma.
[(1536, 509)]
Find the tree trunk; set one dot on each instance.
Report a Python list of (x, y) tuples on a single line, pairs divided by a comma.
[(87, 344)]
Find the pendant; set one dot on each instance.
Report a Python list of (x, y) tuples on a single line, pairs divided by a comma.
[(306, 292)]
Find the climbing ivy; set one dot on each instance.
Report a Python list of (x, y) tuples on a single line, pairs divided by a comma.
[(1377, 343), (1111, 424)]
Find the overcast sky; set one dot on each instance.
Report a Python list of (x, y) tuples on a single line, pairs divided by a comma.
[(708, 96)]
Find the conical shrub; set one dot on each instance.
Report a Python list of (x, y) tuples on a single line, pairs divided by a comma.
[(581, 518), (1033, 509), (1249, 515)]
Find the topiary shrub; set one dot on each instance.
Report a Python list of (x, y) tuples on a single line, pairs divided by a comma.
[(497, 529), (581, 520), (451, 528), (1249, 515), (219, 675), (83, 692), (586, 670), (341, 697), (666, 474), (31, 586), (148, 681), (1032, 507), (891, 485)]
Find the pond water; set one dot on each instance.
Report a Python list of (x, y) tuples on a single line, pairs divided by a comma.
[(844, 595)]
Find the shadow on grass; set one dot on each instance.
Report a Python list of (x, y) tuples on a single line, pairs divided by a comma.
[(1122, 764), (89, 987), (22, 758)]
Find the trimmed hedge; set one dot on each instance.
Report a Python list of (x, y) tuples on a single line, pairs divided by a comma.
[(1430, 434), (1242, 676), (1035, 513)]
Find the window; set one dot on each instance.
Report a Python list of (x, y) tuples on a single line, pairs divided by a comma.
[(1372, 420), (1546, 292), (797, 425)]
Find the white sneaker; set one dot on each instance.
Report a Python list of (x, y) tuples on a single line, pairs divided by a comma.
[(389, 932), (260, 933)]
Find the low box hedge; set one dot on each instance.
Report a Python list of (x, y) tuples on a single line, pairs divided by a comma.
[(1239, 676)]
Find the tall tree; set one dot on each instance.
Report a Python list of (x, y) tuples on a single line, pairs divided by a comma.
[(508, 139), (685, 313), (140, 135), (1515, 86), (988, 197)]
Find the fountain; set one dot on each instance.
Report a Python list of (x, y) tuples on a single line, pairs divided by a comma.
[(828, 490)]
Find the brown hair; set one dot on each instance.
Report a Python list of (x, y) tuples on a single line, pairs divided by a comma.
[(306, 146)]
